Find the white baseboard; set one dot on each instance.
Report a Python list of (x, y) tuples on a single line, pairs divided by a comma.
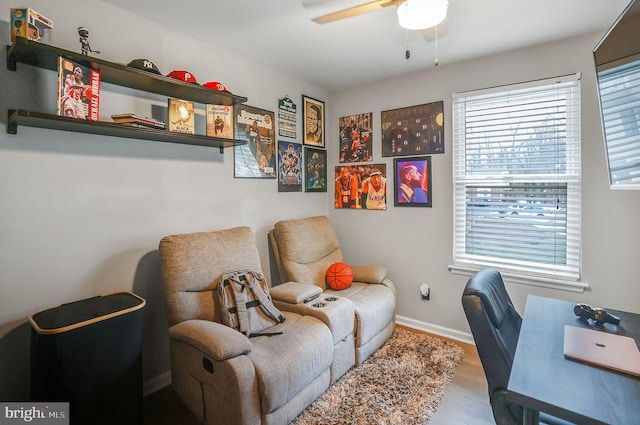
[(465, 337), (157, 383)]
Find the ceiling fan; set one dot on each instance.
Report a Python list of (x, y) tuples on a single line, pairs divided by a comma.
[(356, 11), (412, 14)]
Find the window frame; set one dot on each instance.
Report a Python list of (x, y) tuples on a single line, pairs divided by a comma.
[(618, 87), (556, 276)]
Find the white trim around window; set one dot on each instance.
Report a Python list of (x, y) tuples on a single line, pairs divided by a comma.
[(517, 177)]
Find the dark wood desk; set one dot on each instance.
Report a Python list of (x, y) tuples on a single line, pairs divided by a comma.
[(543, 380)]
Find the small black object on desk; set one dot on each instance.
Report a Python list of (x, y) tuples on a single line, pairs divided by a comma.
[(598, 315)]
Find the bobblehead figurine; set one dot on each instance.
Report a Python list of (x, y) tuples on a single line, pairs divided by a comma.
[(83, 32)]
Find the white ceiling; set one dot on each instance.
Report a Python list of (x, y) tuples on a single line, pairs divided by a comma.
[(371, 47)]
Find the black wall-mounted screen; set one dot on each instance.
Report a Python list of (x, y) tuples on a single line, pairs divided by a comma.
[(617, 60)]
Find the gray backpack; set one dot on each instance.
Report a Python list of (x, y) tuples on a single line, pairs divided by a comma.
[(245, 303)]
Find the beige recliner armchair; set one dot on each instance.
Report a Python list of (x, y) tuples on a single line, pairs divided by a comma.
[(223, 376), (304, 248)]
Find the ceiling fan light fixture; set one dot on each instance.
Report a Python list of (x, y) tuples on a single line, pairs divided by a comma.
[(422, 14)]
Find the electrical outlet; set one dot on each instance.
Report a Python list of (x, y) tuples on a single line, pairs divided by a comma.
[(425, 291)]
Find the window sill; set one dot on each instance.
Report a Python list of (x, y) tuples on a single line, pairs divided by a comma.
[(523, 279)]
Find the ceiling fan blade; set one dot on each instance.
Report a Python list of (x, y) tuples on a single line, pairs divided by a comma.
[(355, 11)]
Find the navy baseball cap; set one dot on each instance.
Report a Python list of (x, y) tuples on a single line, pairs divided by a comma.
[(144, 65)]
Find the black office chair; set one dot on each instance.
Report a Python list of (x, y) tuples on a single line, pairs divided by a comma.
[(495, 325)]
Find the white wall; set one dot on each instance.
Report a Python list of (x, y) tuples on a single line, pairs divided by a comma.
[(416, 243), (82, 214)]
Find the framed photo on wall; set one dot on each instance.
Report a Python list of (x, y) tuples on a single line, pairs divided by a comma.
[(415, 130), (316, 175), (362, 186), (313, 121), (413, 183), (373, 187), (356, 137), (289, 167), (257, 158)]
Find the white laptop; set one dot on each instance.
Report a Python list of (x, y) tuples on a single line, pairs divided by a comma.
[(603, 349)]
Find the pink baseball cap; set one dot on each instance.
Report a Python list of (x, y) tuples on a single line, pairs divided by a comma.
[(185, 76), (215, 85)]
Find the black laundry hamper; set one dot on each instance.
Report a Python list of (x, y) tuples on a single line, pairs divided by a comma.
[(89, 353)]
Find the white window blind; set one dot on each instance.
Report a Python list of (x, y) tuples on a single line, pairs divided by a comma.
[(620, 102), (517, 179)]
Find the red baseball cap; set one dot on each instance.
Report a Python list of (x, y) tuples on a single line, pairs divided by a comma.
[(215, 85), (185, 76)]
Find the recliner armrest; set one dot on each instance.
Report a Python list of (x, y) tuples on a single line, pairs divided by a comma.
[(369, 274), (215, 340), (294, 292)]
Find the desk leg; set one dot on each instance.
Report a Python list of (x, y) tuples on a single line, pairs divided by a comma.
[(530, 416)]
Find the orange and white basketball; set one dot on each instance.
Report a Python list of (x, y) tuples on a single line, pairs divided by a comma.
[(339, 276)]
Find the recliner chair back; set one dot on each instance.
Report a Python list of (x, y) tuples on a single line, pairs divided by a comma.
[(193, 263), (305, 249)]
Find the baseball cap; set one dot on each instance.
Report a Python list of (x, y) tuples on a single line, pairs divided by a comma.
[(181, 75), (215, 85), (144, 65)]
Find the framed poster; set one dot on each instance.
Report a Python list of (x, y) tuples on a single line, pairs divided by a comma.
[(316, 175), (313, 119), (373, 187), (413, 183), (415, 130), (289, 167), (287, 118), (356, 137), (257, 158), (361, 186)]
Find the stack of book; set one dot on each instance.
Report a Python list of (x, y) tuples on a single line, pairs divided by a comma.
[(134, 120)]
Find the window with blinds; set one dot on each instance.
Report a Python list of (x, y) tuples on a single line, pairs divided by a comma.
[(620, 104), (517, 180)]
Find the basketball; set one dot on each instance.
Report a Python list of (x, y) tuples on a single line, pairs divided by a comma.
[(339, 276)]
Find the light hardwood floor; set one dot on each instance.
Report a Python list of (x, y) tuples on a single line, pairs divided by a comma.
[(465, 401)]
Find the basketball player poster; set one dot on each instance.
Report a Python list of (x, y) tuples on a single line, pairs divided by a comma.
[(78, 90), (356, 137), (361, 187), (257, 158)]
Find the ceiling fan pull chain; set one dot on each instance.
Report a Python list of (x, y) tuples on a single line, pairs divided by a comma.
[(407, 53), (437, 61)]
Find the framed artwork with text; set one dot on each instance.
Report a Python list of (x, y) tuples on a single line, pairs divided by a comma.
[(414, 130), (257, 158)]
